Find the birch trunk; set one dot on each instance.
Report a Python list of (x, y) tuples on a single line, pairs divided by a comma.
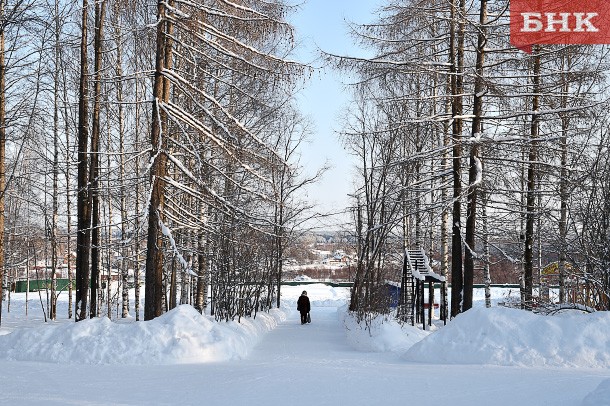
[(118, 34), (68, 198), (202, 265), (54, 215), (109, 236), (136, 246), (487, 258)]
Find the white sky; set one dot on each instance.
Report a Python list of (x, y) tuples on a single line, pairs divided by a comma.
[(323, 24)]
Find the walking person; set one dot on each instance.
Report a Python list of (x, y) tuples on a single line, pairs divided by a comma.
[(304, 307)]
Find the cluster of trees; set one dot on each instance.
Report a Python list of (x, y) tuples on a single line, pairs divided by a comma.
[(163, 138), (474, 150), (168, 131)]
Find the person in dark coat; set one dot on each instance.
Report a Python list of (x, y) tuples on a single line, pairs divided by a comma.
[(303, 306)]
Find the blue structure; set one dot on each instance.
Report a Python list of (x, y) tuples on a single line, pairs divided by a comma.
[(393, 290)]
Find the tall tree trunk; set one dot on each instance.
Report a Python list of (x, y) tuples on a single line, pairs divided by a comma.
[(173, 286), (280, 265), (444, 237), (68, 197), (153, 301), (136, 246), (356, 289), (54, 254), (563, 184), (486, 256), (530, 217), (109, 235), (100, 8), (279, 235), (474, 175), (83, 236), (2, 153), (123, 190), (456, 56), (202, 264)]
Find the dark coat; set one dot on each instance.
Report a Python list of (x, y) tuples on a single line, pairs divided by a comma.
[(303, 304)]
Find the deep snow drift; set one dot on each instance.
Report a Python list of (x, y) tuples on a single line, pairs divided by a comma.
[(503, 336), (382, 353), (182, 335)]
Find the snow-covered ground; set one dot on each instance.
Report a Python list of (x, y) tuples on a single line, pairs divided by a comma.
[(495, 356)]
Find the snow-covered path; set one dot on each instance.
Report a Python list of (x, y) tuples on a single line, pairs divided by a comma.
[(314, 365), (309, 344), (296, 365)]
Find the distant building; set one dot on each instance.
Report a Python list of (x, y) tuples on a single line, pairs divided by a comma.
[(339, 258)]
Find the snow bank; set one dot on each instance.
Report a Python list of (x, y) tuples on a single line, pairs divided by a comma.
[(180, 336), (503, 336), (177, 337), (381, 335), (600, 396)]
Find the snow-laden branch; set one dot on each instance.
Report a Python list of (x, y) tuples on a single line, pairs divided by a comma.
[(196, 123), (178, 113), (191, 176), (168, 233)]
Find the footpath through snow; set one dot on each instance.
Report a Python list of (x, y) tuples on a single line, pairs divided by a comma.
[(498, 355)]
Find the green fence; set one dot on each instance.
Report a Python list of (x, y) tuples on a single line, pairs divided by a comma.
[(41, 284)]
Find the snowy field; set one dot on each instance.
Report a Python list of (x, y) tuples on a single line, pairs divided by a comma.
[(495, 356)]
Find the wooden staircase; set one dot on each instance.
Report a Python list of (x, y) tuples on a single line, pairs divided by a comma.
[(416, 271), (406, 304), (420, 266)]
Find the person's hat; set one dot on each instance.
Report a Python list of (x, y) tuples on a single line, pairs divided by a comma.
[(304, 293)]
